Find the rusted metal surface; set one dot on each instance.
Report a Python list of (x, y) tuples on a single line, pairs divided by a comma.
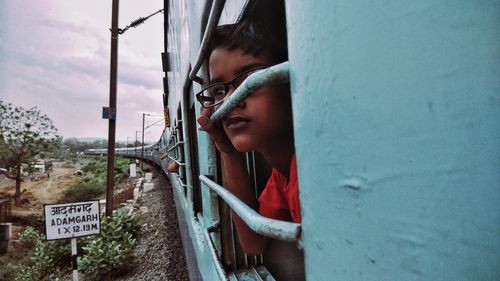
[(5, 210)]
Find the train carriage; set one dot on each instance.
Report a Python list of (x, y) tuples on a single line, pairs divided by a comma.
[(396, 109)]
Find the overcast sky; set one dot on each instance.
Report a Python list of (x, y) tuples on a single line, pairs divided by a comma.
[(55, 54)]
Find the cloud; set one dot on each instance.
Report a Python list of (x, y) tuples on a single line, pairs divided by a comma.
[(78, 29), (147, 77), (56, 55)]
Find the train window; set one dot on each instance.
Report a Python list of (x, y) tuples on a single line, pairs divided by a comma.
[(283, 259), (180, 155), (193, 149)]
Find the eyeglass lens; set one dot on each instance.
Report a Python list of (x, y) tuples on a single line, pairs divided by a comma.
[(216, 93)]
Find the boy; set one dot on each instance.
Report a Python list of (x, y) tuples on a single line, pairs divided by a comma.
[(262, 122)]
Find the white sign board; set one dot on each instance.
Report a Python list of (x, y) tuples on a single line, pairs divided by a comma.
[(72, 220)]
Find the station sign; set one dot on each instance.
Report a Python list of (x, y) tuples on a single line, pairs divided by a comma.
[(72, 220), (109, 113)]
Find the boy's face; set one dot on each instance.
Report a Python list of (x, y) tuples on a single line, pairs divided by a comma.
[(263, 121)]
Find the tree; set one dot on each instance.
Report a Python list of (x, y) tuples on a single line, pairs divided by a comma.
[(24, 134)]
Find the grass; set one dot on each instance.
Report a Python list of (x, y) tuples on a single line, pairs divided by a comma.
[(93, 184)]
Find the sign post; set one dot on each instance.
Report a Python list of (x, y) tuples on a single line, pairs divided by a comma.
[(71, 220), (74, 257)]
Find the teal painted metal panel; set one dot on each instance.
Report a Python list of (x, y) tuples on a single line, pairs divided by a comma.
[(402, 98)]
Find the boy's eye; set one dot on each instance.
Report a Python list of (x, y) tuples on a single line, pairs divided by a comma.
[(206, 100), (218, 92), (241, 78)]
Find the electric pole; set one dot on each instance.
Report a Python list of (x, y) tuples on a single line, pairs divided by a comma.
[(112, 109)]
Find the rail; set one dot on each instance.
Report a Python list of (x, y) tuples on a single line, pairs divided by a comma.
[(275, 74), (282, 230), (213, 20)]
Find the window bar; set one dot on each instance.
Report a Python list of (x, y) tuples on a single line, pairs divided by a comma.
[(181, 182), (175, 160), (213, 251), (183, 187), (282, 230), (250, 156), (234, 241), (174, 146), (275, 74), (256, 274), (213, 20)]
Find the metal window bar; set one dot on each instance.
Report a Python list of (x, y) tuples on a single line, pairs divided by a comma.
[(258, 273), (176, 161), (282, 230), (250, 157), (233, 241), (213, 20), (181, 182), (177, 124), (174, 146), (182, 186), (180, 149), (275, 74), (213, 250)]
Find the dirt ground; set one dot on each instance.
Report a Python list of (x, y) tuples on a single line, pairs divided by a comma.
[(45, 190)]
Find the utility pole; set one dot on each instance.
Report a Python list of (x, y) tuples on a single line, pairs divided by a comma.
[(112, 99), (112, 108)]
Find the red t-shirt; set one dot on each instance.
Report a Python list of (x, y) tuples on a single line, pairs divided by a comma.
[(280, 198)]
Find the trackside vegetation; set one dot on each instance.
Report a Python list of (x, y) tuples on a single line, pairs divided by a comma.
[(93, 184), (100, 257)]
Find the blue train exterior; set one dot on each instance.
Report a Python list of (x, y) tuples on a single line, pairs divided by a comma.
[(396, 109)]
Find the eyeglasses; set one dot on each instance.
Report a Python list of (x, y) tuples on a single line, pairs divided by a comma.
[(215, 94)]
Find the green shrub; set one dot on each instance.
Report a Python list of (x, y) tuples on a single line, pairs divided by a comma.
[(20, 259), (93, 182), (84, 191), (46, 256), (102, 256), (111, 253), (29, 238)]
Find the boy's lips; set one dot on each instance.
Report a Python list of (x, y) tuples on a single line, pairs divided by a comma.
[(236, 121)]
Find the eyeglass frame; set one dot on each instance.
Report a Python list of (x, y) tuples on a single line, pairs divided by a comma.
[(226, 86)]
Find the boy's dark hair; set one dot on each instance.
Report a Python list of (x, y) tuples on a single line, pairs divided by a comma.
[(251, 39), (263, 28)]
